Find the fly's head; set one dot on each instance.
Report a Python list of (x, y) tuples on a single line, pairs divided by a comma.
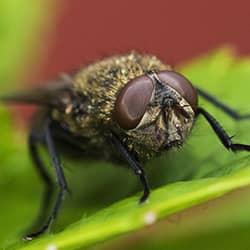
[(156, 111)]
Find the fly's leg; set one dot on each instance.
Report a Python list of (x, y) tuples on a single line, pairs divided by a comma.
[(34, 140), (134, 164), (225, 139), (226, 109), (60, 180)]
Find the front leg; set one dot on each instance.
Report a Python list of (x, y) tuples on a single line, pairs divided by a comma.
[(134, 164), (225, 139), (222, 106)]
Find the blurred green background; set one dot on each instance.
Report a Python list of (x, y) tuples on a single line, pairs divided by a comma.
[(220, 224)]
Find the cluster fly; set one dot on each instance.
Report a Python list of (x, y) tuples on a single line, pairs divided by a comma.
[(134, 102)]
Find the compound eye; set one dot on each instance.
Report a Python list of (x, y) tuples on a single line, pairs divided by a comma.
[(132, 102), (182, 85)]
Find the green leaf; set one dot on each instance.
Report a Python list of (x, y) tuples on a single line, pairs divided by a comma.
[(127, 216), (201, 171), (218, 224)]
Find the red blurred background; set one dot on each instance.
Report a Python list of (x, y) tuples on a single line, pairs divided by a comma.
[(174, 30)]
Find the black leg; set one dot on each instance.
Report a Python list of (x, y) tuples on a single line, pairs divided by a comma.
[(60, 179), (49, 186), (225, 139), (229, 111), (138, 169)]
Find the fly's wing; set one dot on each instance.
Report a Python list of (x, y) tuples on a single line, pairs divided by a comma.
[(57, 94)]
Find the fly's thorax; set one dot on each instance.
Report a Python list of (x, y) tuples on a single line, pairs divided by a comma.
[(101, 82), (98, 85), (79, 124)]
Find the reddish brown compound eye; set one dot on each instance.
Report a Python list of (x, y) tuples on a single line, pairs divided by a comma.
[(182, 85), (132, 102)]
